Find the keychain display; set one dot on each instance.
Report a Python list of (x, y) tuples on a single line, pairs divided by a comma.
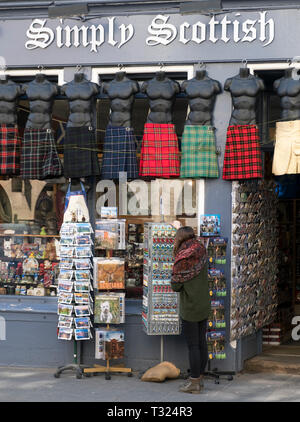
[(254, 257), (160, 313), (75, 282)]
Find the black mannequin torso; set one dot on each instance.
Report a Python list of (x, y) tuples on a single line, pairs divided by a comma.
[(40, 93), (288, 89), (161, 92), (121, 91), (201, 92), (244, 89), (9, 93), (81, 96)]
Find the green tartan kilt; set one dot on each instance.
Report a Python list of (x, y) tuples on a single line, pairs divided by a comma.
[(198, 152)]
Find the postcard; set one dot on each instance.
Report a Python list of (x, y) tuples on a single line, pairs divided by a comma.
[(82, 264), (114, 345), (68, 229), (109, 212), (66, 251), (64, 240), (82, 286), (65, 297), (83, 239), (66, 264), (65, 274), (64, 309), (82, 275), (65, 333), (84, 228), (83, 322), (82, 333), (82, 310), (83, 298), (106, 234), (210, 225), (65, 286), (65, 321), (83, 251)]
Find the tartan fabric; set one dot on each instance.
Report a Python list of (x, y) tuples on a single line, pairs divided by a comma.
[(242, 158), (119, 153), (80, 152), (10, 149), (159, 152), (39, 158), (198, 152)]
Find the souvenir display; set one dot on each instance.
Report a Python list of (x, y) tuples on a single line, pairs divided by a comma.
[(75, 283), (216, 344), (254, 257), (110, 234), (160, 313), (109, 344)]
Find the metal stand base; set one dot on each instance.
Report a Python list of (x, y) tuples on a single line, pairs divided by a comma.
[(73, 367)]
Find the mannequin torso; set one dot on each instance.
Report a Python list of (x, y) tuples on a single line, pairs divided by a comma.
[(201, 92), (288, 89), (9, 93), (244, 89), (81, 95), (40, 93), (121, 91), (161, 92)]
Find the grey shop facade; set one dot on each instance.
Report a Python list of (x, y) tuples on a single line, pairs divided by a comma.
[(141, 44)]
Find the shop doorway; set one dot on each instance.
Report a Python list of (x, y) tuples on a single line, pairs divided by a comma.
[(280, 343)]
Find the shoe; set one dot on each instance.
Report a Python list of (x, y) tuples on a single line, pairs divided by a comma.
[(192, 385)]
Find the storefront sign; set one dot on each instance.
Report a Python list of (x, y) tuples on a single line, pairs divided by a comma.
[(160, 31)]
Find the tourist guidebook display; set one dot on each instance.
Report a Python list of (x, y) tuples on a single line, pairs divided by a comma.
[(75, 282)]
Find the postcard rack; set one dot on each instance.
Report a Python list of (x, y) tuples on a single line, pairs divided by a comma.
[(109, 307), (74, 289)]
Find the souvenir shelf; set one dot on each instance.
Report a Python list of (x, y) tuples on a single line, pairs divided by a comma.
[(75, 302), (28, 264), (160, 313), (254, 257), (109, 299)]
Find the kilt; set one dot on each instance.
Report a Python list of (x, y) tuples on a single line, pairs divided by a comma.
[(286, 159), (39, 158), (242, 158), (159, 152), (10, 149), (119, 153), (198, 152), (80, 153)]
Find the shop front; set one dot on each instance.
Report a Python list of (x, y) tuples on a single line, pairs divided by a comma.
[(86, 89)]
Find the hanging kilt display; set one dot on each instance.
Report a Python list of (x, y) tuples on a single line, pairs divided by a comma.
[(10, 149), (119, 153), (159, 152), (39, 158), (242, 159), (80, 152), (198, 152)]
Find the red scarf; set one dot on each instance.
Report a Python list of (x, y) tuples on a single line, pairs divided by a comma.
[(190, 259)]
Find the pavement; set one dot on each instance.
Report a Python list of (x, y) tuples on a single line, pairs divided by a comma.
[(33, 385)]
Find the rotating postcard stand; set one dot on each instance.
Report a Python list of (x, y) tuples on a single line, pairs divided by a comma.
[(216, 250), (109, 299), (75, 275)]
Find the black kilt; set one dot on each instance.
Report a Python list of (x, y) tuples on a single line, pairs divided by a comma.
[(80, 152)]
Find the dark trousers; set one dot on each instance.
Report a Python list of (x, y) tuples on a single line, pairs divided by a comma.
[(195, 336)]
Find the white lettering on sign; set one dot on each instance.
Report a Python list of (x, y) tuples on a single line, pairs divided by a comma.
[(160, 32)]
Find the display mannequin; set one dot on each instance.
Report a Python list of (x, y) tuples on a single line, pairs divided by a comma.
[(160, 153), (81, 95), (198, 145), (242, 159), (9, 93), (121, 91), (286, 159), (80, 148), (161, 92), (119, 152), (201, 92), (40, 93), (288, 89), (244, 89)]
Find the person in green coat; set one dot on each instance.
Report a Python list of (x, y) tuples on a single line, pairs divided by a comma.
[(189, 278)]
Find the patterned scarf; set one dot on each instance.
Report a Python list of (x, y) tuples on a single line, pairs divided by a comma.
[(189, 261)]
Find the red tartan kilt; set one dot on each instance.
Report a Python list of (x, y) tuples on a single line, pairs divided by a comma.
[(242, 158), (10, 149), (159, 152)]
